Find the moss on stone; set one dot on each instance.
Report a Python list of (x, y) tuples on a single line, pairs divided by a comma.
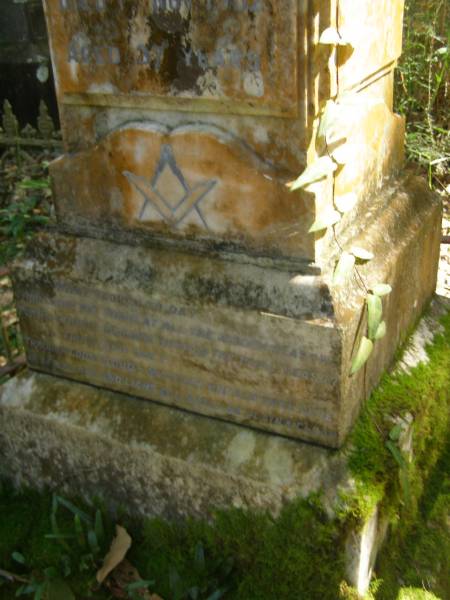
[(419, 553), (271, 558), (300, 554), (422, 393)]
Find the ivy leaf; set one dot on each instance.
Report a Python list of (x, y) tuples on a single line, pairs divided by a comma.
[(375, 308), (327, 219), (361, 253), (362, 356), (331, 37), (346, 202), (381, 331), (346, 153), (320, 169), (327, 119), (343, 268), (381, 289)]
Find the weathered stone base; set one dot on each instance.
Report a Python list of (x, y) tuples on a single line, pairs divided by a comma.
[(161, 461), (247, 340), (155, 459)]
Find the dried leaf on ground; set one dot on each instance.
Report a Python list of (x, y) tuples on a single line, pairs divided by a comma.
[(119, 547), (124, 575)]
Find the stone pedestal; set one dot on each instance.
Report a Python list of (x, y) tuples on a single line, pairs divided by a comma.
[(160, 461), (182, 270), (254, 342)]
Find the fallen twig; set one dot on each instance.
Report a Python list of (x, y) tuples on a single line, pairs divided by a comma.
[(12, 577)]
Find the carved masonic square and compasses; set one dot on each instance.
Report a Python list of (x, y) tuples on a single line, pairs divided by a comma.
[(168, 192)]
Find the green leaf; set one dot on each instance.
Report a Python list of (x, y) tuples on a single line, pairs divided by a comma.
[(99, 527), (328, 118), (79, 530), (381, 289), (375, 309), (396, 453), (92, 541), (216, 595), (142, 584), (404, 481), (39, 592), (58, 589), (395, 433), (199, 556), (19, 558), (26, 589), (74, 510), (346, 202), (362, 356), (175, 583), (361, 253), (34, 184), (381, 331), (318, 170), (327, 219), (344, 268)]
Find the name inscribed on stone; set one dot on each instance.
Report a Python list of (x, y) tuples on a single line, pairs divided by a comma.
[(238, 51)]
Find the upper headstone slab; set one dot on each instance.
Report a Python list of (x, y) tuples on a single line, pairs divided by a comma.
[(183, 120), (242, 54)]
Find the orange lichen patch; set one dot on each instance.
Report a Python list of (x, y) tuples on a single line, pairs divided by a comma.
[(375, 146), (375, 31), (194, 179), (223, 52)]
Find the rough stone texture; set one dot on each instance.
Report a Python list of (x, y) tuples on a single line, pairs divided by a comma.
[(363, 546), (232, 91), (192, 181), (156, 460), (254, 344), (153, 459), (182, 270)]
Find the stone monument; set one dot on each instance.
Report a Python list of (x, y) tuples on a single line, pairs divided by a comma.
[(184, 269)]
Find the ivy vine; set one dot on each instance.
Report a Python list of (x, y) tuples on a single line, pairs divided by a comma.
[(337, 153)]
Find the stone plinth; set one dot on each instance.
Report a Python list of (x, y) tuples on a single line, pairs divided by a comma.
[(182, 269), (252, 342), (159, 461)]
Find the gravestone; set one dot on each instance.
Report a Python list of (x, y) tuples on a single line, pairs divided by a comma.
[(182, 269), (25, 69)]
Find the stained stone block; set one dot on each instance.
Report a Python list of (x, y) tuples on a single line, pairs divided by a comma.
[(251, 342), (79, 439), (185, 120), (182, 269)]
